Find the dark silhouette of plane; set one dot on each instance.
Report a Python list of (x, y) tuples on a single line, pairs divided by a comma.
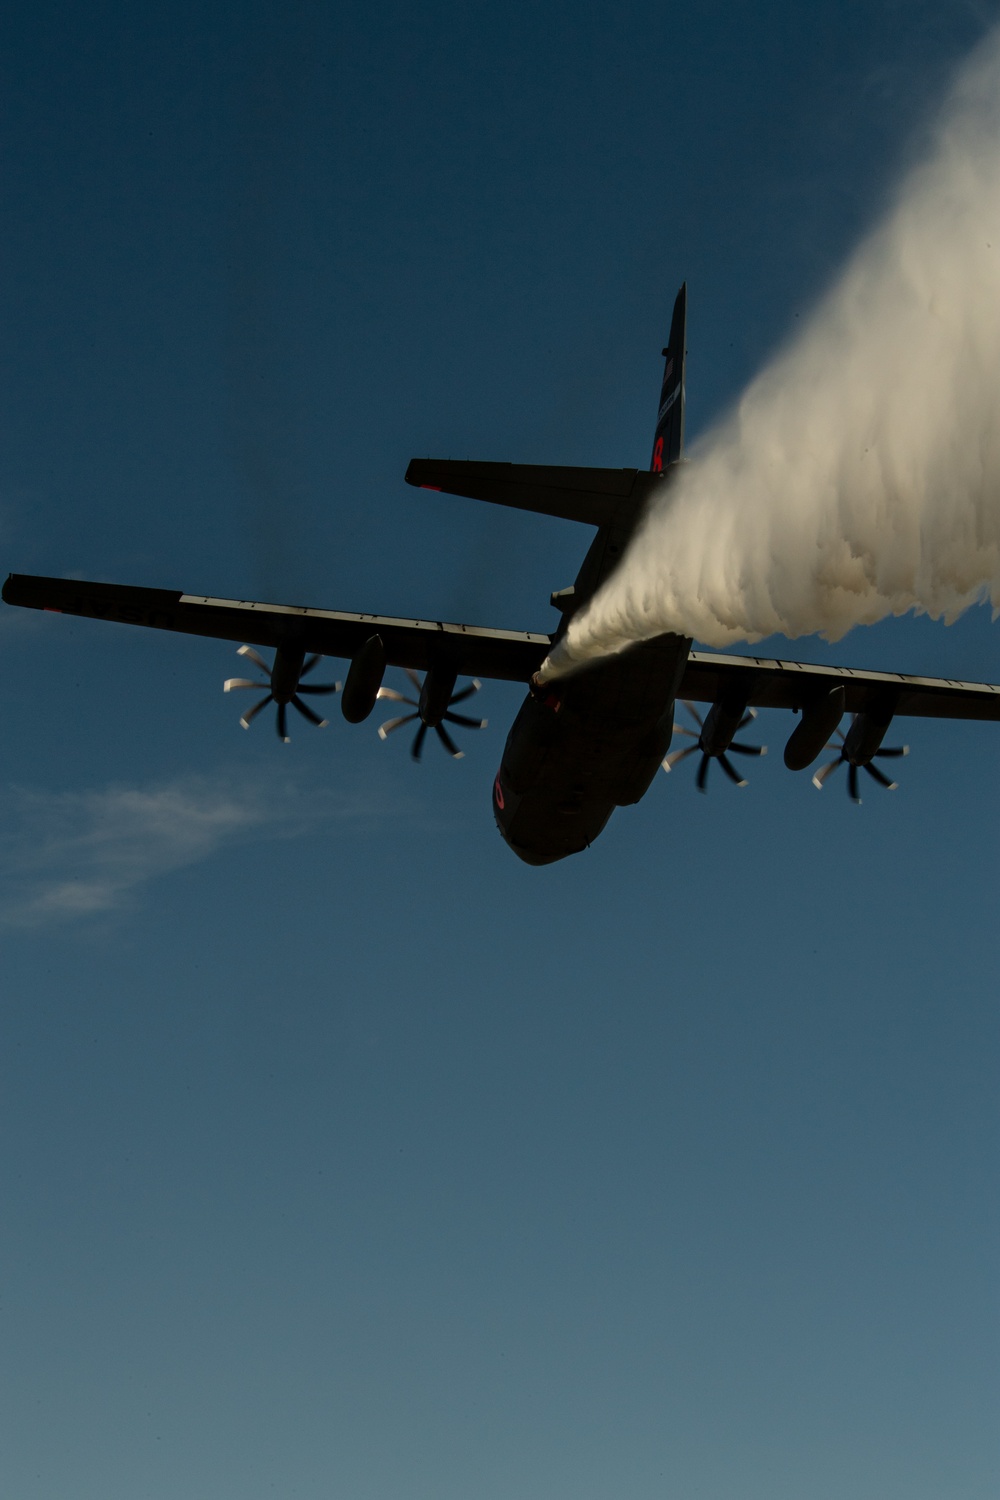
[(584, 744)]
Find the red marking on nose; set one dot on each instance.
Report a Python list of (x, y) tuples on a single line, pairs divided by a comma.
[(498, 792), (436, 487)]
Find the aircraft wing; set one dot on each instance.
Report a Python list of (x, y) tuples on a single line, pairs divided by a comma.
[(477, 651), (764, 683), (472, 651)]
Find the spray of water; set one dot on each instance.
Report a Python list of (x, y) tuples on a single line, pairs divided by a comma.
[(859, 475)]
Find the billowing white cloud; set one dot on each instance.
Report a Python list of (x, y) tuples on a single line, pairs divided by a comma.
[(859, 475)]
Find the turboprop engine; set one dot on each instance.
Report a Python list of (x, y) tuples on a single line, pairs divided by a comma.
[(714, 737), (432, 708), (283, 685), (858, 748)]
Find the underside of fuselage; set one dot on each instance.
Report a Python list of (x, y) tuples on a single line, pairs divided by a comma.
[(585, 745)]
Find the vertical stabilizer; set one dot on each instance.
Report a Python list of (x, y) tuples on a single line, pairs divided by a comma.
[(669, 438)]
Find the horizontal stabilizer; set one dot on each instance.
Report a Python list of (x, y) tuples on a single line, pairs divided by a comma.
[(598, 497)]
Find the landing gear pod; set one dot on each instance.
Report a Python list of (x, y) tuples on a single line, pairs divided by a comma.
[(820, 717), (363, 681)]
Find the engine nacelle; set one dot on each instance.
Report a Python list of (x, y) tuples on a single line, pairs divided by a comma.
[(435, 695), (865, 736), (820, 717), (723, 720), (363, 681), (285, 672)]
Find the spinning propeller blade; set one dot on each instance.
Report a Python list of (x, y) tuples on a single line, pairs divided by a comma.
[(283, 696), (707, 756), (839, 743), (435, 723)]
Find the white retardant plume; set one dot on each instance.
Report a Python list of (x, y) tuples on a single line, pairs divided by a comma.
[(859, 475)]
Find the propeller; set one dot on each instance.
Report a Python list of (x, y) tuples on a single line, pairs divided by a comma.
[(711, 749), (283, 686), (427, 715), (843, 759)]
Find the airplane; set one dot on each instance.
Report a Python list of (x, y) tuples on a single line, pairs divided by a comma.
[(582, 745)]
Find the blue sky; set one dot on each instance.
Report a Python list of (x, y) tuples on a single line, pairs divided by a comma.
[(343, 1154)]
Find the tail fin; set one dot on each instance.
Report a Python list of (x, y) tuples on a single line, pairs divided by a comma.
[(669, 438)]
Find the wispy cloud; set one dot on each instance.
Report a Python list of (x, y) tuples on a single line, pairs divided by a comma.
[(72, 855)]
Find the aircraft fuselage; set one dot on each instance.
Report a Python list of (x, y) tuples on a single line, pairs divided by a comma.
[(586, 744)]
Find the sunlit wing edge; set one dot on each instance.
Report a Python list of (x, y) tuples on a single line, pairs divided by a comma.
[(477, 651), (763, 682)]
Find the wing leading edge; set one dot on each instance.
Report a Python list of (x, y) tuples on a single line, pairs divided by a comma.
[(477, 651), (761, 682), (513, 655)]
